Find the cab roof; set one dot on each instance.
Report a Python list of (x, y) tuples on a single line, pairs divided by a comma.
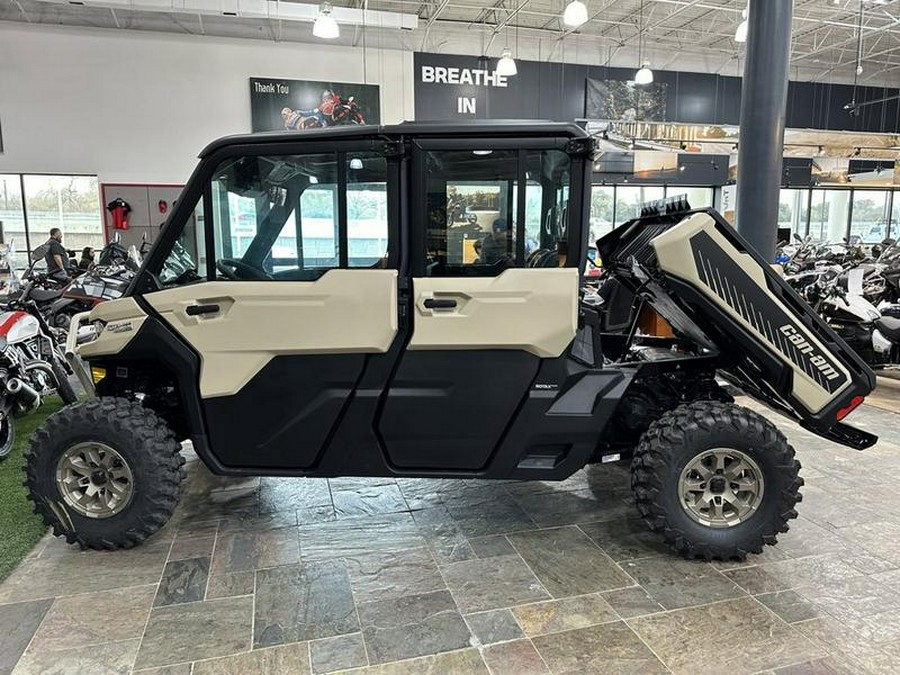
[(480, 128)]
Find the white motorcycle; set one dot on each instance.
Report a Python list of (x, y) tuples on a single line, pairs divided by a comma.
[(861, 325), (31, 367)]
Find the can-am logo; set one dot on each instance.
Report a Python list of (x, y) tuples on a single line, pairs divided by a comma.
[(802, 344)]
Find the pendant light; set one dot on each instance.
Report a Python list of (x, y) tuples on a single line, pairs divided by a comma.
[(644, 75), (740, 35), (506, 66), (325, 26), (575, 14)]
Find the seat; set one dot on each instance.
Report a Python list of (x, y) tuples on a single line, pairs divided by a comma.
[(43, 295), (889, 327)]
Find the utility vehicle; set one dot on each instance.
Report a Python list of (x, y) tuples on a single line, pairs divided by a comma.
[(310, 309)]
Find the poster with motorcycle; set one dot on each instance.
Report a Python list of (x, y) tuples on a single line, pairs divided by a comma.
[(290, 105)]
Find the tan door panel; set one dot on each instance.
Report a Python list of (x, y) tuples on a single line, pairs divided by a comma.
[(534, 310), (343, 312)]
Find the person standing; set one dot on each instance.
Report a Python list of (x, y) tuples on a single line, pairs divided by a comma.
[(57, 257)]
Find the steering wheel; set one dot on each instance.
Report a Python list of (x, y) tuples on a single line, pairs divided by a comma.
[(231, 266)]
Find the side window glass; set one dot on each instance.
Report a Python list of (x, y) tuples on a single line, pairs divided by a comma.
[(186, 261), (282, 217), (367, 205), (546, 208), (319, 226), (275, 217), (474, 224)]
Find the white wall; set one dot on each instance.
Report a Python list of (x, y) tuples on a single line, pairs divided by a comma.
[(137, 106)]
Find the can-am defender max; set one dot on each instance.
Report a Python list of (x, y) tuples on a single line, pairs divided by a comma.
[(311, 310)]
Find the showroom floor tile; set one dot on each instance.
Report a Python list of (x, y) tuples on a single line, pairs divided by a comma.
[(438, 577)]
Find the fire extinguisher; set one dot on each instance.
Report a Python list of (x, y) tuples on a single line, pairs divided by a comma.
[(119, 209)]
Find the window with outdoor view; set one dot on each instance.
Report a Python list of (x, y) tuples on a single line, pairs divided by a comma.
[(282, 217), (473, 201)]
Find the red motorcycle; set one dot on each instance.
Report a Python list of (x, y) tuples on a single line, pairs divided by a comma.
[(348, 112)]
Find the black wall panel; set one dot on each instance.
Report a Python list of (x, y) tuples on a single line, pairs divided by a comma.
[(556, 91)]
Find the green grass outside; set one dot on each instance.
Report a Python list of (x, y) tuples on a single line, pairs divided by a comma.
[(20, 529)]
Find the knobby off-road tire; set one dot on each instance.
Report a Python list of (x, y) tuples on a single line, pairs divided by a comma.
[(7, 435), (64, 387), (693, 436), (110, 444)]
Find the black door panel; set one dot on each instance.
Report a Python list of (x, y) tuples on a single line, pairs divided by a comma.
[(284, 416), (450, 409)]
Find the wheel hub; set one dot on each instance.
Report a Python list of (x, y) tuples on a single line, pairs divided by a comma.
[(717, 485), (721, 487), (94, 480)]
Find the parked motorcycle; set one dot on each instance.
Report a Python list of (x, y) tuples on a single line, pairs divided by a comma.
[(107, 280), (860, 324), (32, 367)]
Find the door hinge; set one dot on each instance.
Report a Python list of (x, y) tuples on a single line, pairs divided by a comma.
[(392, 149), (580, 147)]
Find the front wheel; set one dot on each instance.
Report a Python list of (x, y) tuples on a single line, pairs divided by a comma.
[(7, 434), (63, 386), (716, 480), (105, 473)]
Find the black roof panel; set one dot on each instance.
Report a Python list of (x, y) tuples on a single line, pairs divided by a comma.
[(432, 129)]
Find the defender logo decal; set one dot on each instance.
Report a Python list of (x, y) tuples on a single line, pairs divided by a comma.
[(802, 344), (120, 327)]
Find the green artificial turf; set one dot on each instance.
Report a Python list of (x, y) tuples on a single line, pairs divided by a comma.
[(20, 529)]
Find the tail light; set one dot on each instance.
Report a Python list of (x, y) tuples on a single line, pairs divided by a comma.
[(853, 405)]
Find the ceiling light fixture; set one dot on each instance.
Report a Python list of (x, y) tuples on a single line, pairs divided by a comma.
[(506, 66), (356, 164), (325, 26), (575, 14), (644, 75), (740, 35)]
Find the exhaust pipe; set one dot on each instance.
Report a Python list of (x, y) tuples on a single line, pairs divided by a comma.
[(24, 394)]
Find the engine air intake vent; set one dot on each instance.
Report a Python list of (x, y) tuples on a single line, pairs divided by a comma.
[(662, 207)]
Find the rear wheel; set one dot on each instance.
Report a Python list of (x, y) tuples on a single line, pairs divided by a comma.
[(104, 474), (716, 480)]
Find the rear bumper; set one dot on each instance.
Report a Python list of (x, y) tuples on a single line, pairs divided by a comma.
[(846, 435)]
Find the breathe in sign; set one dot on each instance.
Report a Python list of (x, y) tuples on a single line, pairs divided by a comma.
[(478, 77)]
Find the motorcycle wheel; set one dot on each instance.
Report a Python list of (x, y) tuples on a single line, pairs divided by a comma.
[(63, 386), (7, 435)]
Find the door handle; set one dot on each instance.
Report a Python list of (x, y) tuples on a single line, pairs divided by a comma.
[(439, 303), (194, 310)]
